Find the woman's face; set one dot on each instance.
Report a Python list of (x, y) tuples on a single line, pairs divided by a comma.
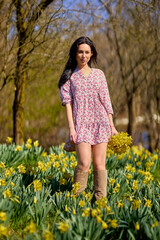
[(83, 55)]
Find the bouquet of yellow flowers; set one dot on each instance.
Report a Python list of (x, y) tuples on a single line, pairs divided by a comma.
[(120, 143)]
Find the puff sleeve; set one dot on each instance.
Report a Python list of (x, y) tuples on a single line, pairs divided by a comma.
[(104, 95), (66, 93)]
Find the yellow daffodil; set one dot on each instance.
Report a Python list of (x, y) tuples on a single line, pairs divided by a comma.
[(93, 212), (112, 181), (120, 204), (82, 203), (3, 216), (155, 224), (28, 145), (34, 200), (44, 154), (74, 211), (113, 223), (135, 185), (36, 143), (2, 165), (9, 140), (12, 184), (47, 235), (3, 182), (18, 148), (148, 203), (104, 225), (120, 143), (3, 230), (21, 168), (86, 212), (136, 203), (7, 193), (29, 141), (63, 226), (137, 226), (37, 185), (31, 228)]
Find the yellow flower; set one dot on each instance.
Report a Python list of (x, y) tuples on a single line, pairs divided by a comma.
[(63, 226), (108, 208), (18, 148), (104, 225), (135, 185), (48, 235), (155, 224), (68, 194), (7, 193), (136, 203), (3, 230), (28, 145), (112, 181), (66, 208), (133, 169), (137, 226), (148, 203), (36, 143), (129, 176), (74, 211), (81, 203), (138, 163), (120, 204), (21, 168), (62, 181), (37, 185), (31, 228), (7, 173), (41, 166), (113, 223), (3, 182), (44, 154), (29, 141), (9, 140), (56, 164), (120, 143), (12, 184), (93, 212), (128, 167), (35, 200), (99, 219), (3, 216), (86, 212), (90, 171), (2, 165), (75, 187)]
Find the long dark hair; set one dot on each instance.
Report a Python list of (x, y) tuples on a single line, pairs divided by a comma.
[(72, 63)]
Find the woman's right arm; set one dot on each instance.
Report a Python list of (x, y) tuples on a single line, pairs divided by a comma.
[(72, 132)]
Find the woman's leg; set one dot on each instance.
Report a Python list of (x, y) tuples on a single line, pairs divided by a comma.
[(100, 172), (84, 158)]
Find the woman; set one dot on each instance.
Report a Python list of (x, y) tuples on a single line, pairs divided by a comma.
[(84, 93)]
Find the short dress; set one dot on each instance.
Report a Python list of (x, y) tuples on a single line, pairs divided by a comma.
[(91, 104)]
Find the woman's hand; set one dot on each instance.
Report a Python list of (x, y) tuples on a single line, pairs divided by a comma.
[(114, 131), (72, 135)]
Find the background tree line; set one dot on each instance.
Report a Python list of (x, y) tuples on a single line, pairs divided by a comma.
[(34, 44)]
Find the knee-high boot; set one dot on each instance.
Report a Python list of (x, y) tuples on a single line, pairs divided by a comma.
[(81, 177), (100, 183)]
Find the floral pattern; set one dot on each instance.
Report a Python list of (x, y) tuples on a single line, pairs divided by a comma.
[(91, 104)]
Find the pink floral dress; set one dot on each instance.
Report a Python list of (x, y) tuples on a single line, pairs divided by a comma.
[(90, 100)]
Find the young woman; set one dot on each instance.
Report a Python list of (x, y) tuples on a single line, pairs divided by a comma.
[(84, 93)]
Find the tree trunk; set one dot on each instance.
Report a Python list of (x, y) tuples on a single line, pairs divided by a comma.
[(130, 116), (18, 105)]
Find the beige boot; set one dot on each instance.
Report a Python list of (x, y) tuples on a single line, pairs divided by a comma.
[(81, 177), (100, 183)]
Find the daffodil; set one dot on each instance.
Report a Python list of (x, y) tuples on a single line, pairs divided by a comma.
[(3, 216), (3, 230), (31, 227), (63, 226), (148, 203), (137, 226), (3, 182), (2, 165), (36, 143), (155, 224), (37, 185), (120, 143), (86, 212), (21, 168), (47, 235), (112, 181), (18, 148), (82, 203), (104, 225), (7, 193), (113, 223), (9, 140)]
